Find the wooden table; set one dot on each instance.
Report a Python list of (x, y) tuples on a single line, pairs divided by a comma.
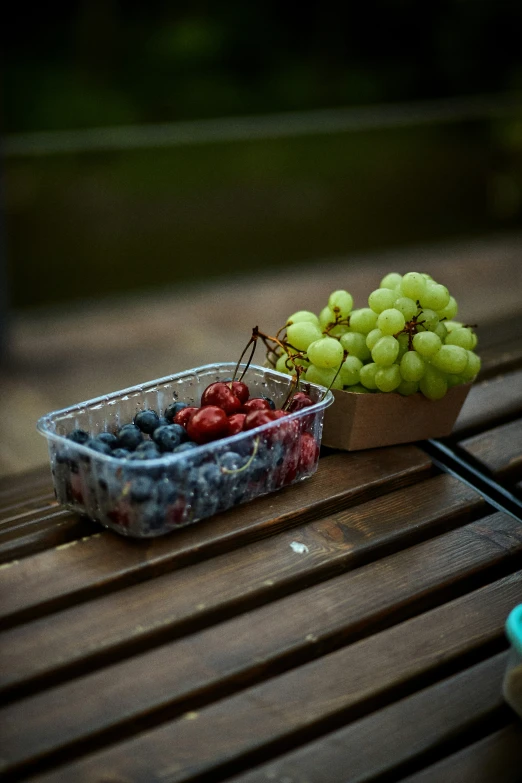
[(349, 628)]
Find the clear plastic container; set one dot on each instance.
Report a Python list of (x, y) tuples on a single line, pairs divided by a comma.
[(155, 496), (512, 685)]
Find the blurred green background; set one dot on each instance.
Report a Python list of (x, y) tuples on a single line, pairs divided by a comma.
[(349, 129)]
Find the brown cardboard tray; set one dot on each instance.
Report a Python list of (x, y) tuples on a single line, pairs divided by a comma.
[(367, 421)]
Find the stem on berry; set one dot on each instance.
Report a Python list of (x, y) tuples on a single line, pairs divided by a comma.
[(247, 464)]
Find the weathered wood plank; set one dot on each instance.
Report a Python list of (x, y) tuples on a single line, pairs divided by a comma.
[(317, 697), (58, 528), (494, 759), (499, 449), (182, 675), (390, 740), (184, 600), (59, 577), (489, 403)]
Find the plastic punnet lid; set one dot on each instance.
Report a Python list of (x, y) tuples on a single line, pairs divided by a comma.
[(514, 628)]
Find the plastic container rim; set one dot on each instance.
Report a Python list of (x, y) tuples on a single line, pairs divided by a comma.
[(43, 421)]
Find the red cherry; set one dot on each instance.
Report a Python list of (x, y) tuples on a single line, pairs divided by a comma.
[(241, 390), (258, 417), (308, 452), (235, 423), (222, 396), (256, 404), (208, 423), (184, 415), (299, 401)]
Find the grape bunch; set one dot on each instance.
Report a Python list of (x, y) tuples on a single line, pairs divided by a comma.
[(405, 341)]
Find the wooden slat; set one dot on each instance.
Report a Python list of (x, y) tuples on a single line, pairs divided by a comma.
[(20, 485), (56, 529), (182, 674), (499, 449), (494, 759), (61, 576), (316, 697), (184, 600), (399, 736), (491, 402)]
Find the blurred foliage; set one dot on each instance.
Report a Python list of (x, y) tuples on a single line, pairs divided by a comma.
[(102, 62)]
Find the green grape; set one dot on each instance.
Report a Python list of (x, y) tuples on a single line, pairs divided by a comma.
[(450, 311), (475, 340), (363, 320), (404, 345), (388, 378), (381, 299), (450, 359), (372, 338), (472, 368), (462, 337), (350, 370), (413, 285), (358, 388), (303, 315), (406, 306), (412, 366), (435, 296), (426, 276), (339, 330), (323, 376), (441, 330), (326, 317), (355, 344), (454, 380), (429, 320), (426, 343), (341, 300), (433, 384), (451, 325), (390, 321), (326, 352), (302, 334), (367, 375), (407, 387), (281, 364), (385, 351), (391, 280)]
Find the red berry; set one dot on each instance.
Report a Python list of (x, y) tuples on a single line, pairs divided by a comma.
[(183, 416), (221, 395), (235, 423), (308, 452), (256, 404), (299, 401), (241, 390), (258, 417), (208, 423)]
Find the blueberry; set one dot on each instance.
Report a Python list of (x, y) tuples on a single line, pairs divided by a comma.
[(147, 421), (141, 489), (98, 445), (138, 456), (269, 401), (167, 491), (129, 437), (187, 446), (212, 475), (149, 448), (166, 438), (163, 422), (78, 436), (258, 468), (173, 408), (153, 516), (120, 453), (108, 438), (231, 461)]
